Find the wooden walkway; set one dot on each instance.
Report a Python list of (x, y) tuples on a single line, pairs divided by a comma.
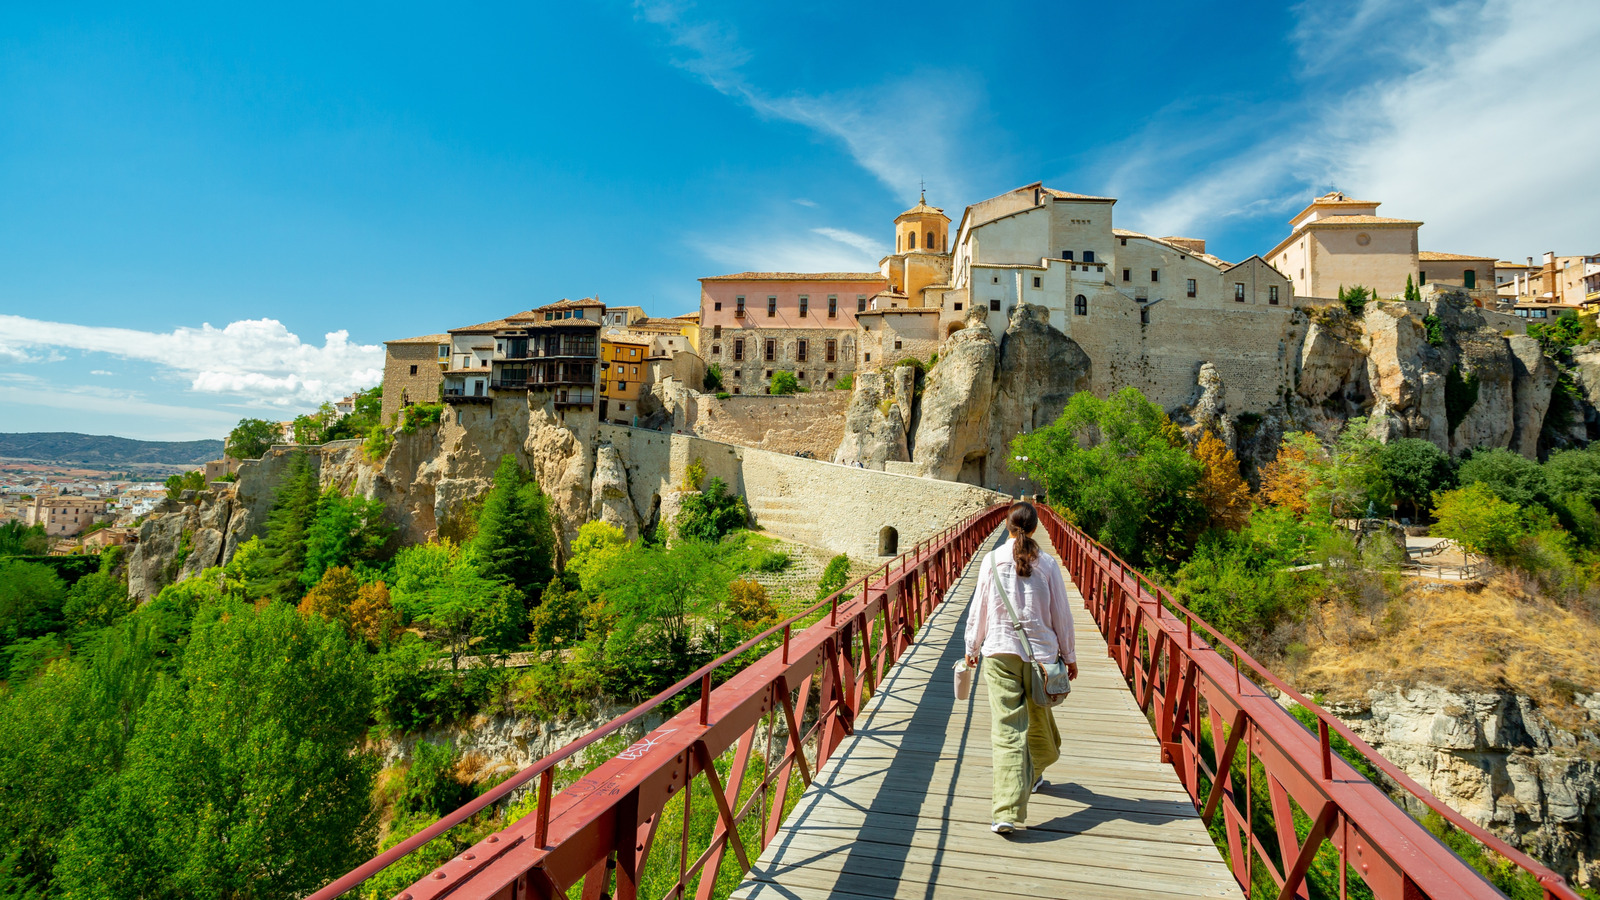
[(902, 808)]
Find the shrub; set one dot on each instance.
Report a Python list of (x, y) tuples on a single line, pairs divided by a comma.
[(1356, 298), (784, 383), (557, 622), (373, 616), (845, 382), (1510, 476), (835, 576), (771, 561), (376, 445), (750, 610), (1481, 521), (1433, 328), (693, 474), (711, 514), (430, 784), (723, 395), (713, 379), (420, 415)]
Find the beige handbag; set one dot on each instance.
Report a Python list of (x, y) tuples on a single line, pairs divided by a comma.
[(963, 679), (1049, 682)]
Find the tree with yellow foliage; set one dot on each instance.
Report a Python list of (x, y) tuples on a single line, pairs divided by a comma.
[(373, 616), (1221, 489), (1286, 481), (331, 597)]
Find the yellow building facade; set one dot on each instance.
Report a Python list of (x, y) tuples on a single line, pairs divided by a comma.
[(920, 260), (623, 370)]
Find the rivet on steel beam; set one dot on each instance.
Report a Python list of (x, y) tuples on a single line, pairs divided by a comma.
[(494, 838)]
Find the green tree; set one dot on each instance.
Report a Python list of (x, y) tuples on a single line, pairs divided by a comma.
[(1510, 476), (61, 734), (1574, 472), (592, 550), (31, 598), (1241, 582), (332, 596), (834, 577), (516, 538), (346, 531), (417, 570), (251, 438), (1414, 469), (188, 481), (558, 620), (244, 777), (711, 514), (98, 599), (465, 605), (784, 383), (1412, 295), (713, 380), (1356, 298), (282, 560), (17, 539), (655, 596), (1481, 521), (1120, 467)]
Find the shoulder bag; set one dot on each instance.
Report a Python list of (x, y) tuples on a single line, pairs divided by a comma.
[(1049, 684)]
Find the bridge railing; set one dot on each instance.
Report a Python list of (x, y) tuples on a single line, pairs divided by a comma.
[(798, 701), (1205, 696)]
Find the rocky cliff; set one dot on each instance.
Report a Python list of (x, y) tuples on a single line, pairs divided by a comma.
[(1441, 370), (1498, 759)]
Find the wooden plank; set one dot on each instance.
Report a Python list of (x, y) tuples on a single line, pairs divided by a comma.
[(902, 809)]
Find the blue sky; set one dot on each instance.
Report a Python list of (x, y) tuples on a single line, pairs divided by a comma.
[(211, 212)]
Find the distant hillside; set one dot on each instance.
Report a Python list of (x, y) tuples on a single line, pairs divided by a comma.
[(105, 450)]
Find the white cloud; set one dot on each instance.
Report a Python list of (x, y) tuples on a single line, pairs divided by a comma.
[(936, 106), (1475, 121), (256, 359), (871, 248), (807, 203), (820, 250), (100, 372)]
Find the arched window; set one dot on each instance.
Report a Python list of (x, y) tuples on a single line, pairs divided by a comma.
[(888, 541), (930, 240), (1080, 305)]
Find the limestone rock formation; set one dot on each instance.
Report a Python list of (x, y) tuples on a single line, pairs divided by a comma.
[(1407, 375), (953, 422), (876, 422), (1496, 758), (179, 541), (1210, 409), (608, 497), (1535, 381), (1483, 355), (1331, 360)]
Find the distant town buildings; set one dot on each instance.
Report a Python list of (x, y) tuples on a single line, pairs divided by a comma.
[(65, 515)]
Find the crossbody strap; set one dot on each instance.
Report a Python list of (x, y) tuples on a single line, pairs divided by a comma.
[(1016, 620)]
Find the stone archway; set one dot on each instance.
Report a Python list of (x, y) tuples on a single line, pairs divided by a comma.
[(888, 541)]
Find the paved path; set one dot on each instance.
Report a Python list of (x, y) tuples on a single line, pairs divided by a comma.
[(902, 808)]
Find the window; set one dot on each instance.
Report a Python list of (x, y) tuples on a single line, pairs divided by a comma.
[(1155, 275), (805, 305), (717, 306), (1127, 274), (769, 373), (772, 307), (716, 332), (622, 407), (866, 357), (1272, 294), (958, 306), (549, 316), (413, 370), (1035, 281), (738, 307), (833, 347), (716, 349), (1469, 278), (1088, 256), (929, 241), (1144, 315), (800, 350), (994, 305), (833, 306), (995, 279), (1080, 305), (1124, 241), (830, 376), (738, 349), (861, 303), (771, 350), (633, 353), (1238, 292), (1422, 277), (738, 373), (1066, 254), (1188, 284), (635, 370)]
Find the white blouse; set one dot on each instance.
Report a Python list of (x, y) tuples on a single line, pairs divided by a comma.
[(1040, 599)]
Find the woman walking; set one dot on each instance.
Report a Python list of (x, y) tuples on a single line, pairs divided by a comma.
[(1024, 734)]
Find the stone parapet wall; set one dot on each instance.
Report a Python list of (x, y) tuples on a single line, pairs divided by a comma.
[(838, 508), (811, 423)]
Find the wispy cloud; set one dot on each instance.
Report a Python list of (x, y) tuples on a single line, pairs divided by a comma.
[(856, 119), (819, 250), (258, 360), (1428, 107), (871, 248), (811, 204)]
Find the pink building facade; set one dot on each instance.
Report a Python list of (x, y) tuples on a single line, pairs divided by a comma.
[(755, 324)]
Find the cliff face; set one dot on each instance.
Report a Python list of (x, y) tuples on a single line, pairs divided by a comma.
[(1496, 758), (425, 482)]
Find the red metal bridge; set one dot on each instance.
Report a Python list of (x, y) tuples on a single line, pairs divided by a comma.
[(839, 764)]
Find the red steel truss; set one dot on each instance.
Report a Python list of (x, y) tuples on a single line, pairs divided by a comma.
[(602, 829), (1188, 682)]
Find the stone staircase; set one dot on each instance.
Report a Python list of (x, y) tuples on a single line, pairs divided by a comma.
[(795, 588), (788, 519)]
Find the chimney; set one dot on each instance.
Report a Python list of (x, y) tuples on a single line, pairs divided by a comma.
[(1549, 257), (1530, 262)]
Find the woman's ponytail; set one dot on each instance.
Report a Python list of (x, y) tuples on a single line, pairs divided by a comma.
[(1021, 523)]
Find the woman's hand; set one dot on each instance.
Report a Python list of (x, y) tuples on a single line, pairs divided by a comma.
[(1072, 671), (972, 660)]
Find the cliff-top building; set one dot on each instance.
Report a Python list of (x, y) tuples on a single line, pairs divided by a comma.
[(552, 350), (755, 324), (1339, 242), (413, 372)]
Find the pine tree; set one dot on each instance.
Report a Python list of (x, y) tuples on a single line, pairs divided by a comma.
[(283, 552), (516, 541), (1412, 294)]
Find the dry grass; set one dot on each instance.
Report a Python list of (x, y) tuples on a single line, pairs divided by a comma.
[(1461, 637)]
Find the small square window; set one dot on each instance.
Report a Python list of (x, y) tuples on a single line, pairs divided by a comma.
[(1127, 274), (716, 349), (1238, 292), (738, 373), (1066, 254), (1035, 281), (1088, 256), (1188, 284), (736, 389), (958, 306), (1124, 241), (1155, 275), (413, 370), (897, 343), (994, 305)]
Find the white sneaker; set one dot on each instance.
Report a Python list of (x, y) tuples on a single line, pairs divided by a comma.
[(1006, 827), (1038, 785)]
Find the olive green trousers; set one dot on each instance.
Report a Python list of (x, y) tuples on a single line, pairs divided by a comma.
[(1025, 738)]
